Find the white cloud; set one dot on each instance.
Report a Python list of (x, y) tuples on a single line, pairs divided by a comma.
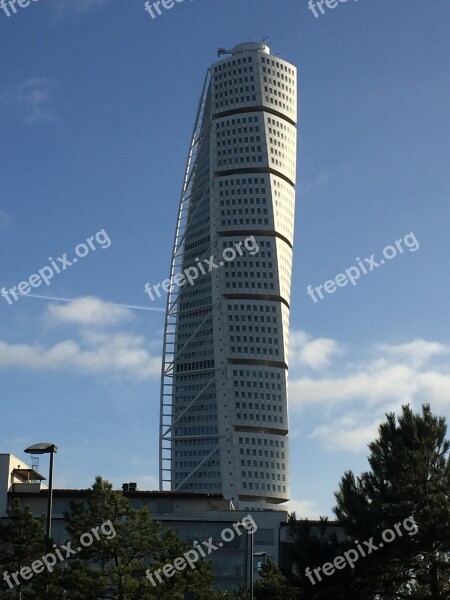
[(417, 352), (312, 353), (380, 385), (92, 349), (89, 310), (345, 435), (354, 402), (304, 509), (118, 355), (32, 99), (383, 386)]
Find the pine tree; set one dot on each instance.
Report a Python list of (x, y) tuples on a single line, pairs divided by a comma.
[(23, 541), (274, 585), (409, 482), (309, 550), (114, 566), (241, 594)]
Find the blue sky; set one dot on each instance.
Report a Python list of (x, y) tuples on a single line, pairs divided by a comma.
[(97, 102)]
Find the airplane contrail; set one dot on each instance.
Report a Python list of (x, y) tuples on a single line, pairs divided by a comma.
[(114, 303)]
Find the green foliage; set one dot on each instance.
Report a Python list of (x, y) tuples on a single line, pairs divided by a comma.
[(114, 566), (274, 585), (241, 594), (22, 541), (409, 482), (410, 476), (408, 486), (311, 550), (125, 544)]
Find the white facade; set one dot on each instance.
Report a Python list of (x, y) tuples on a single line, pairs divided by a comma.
[(15, 475), (224, 408)]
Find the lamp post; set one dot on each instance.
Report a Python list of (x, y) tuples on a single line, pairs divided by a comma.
[(261, 554), (52, 449), (252, 554), (252, 542), (251, 576)]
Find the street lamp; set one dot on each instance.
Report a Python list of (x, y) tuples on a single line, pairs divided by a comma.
[(252, 582), (261, 554), (52, 449), (252, 554)]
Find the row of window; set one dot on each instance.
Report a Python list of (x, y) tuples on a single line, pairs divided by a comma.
[(187, 306), (277, 83), (203, 430), (264, 486), (264, 442), (257, 285), (278, 65), (235, 92), (278, 74), (262, 475), (247, 452), (202, 241), (277, 93), (236, 100), (196, 407), (233, 62), (197, 418), (194, 377), (195, 366), (253, 349), (257, 395), (212, 442), (262, 374), (242, 200), (258, 406), (235, 81), (234, 141), (240, 150), (238, 274), (260, 417), (204, 352), (201, 485), (253, 221), (243, 181), (198, 474), (260, 453), (281, 125), (191, 324), (253, 318), (179, 464), (252, 329), (230, 71), (253, 307), (183, 453), (243, 211), (256, 383), (252, 339), (239, 160)]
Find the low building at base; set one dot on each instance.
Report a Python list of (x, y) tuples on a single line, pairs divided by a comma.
[(194, 517)]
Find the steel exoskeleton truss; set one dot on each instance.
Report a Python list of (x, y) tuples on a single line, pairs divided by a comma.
[(167, 422)]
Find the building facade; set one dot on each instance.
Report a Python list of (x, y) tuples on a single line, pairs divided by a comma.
[(224, 405), (194, 517)]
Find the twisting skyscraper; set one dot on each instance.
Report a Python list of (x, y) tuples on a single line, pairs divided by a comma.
[(224, 408)]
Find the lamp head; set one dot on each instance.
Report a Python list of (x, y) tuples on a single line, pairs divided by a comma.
[(42, 448)]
